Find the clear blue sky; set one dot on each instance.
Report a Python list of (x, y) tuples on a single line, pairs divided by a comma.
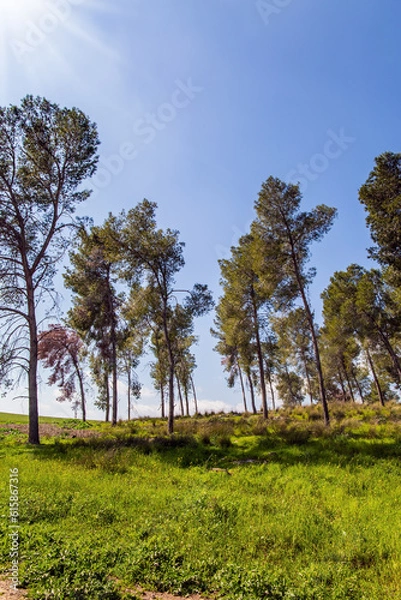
[(203, 100)]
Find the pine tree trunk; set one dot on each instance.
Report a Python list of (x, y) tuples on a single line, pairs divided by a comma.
[(33, 367), (260, 356), (375, 378), (355, 378), (351, 391), (162, 400), (195, 396), (129, 393), (180, 396), (186, 401), (82, 392), (242, 387), (251, 389), (170, 423), (340, 379), (309, 316), (269, 379), (107, 391), (115, 380)]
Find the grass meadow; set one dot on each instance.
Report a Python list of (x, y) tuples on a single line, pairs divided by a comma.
[(229, 507)]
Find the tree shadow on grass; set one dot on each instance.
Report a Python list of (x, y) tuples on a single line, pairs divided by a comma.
[(117, 454)]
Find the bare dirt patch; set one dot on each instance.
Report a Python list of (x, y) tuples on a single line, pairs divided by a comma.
[(165, 596), (47, 430), (7, 593)]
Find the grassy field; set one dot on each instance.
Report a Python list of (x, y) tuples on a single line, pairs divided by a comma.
[(230, 507)]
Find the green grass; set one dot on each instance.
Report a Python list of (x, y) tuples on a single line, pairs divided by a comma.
[(16, 419), (228, 507)]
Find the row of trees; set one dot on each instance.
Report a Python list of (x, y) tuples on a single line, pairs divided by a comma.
[(265, 325), (122, 277), (122, 274)]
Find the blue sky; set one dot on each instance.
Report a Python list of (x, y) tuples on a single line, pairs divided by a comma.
[(198, 102)]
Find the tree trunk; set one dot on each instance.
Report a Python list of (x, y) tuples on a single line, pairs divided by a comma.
[(129, 392), (375, 378), (358, 385), (260, 356), (170, 423), (308, 379), (269, 379), (162, 400), (351, 391), (82, 391), (340, 379), (195, 396), (107, 391), (80, 380), (180, 396), (186, 401), (294, 400), (33, 367), (242, 387), (115, 381), (251, 389), (309, 316), (322, 388), (113, 340), (272, 394)]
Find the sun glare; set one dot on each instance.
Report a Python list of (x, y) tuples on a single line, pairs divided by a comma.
[(35, 32), (15, 12)]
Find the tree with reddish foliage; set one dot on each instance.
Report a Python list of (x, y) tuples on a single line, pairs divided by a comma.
[(62, 350)]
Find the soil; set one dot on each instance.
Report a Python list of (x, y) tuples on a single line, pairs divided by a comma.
[(49, 430), (7, 593), (164, 596)]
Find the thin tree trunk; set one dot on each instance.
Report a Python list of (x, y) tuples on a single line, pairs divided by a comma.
[(308, 379), (170, 424), (80, 380), (82, 391), (251, 389), (129, 392), (180, 396), (195, 396), (241, 379), (272, 394), (340, 378), (351, 391), (113, 355), (375, 378), (358, 385), (294, 400), (33, 368), (309, 316), (115, 381), (162, 400), (186, 400), (260, 356), (107, 390)]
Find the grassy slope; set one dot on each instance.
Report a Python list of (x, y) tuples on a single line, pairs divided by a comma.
[(316, 515), (11, 418)]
